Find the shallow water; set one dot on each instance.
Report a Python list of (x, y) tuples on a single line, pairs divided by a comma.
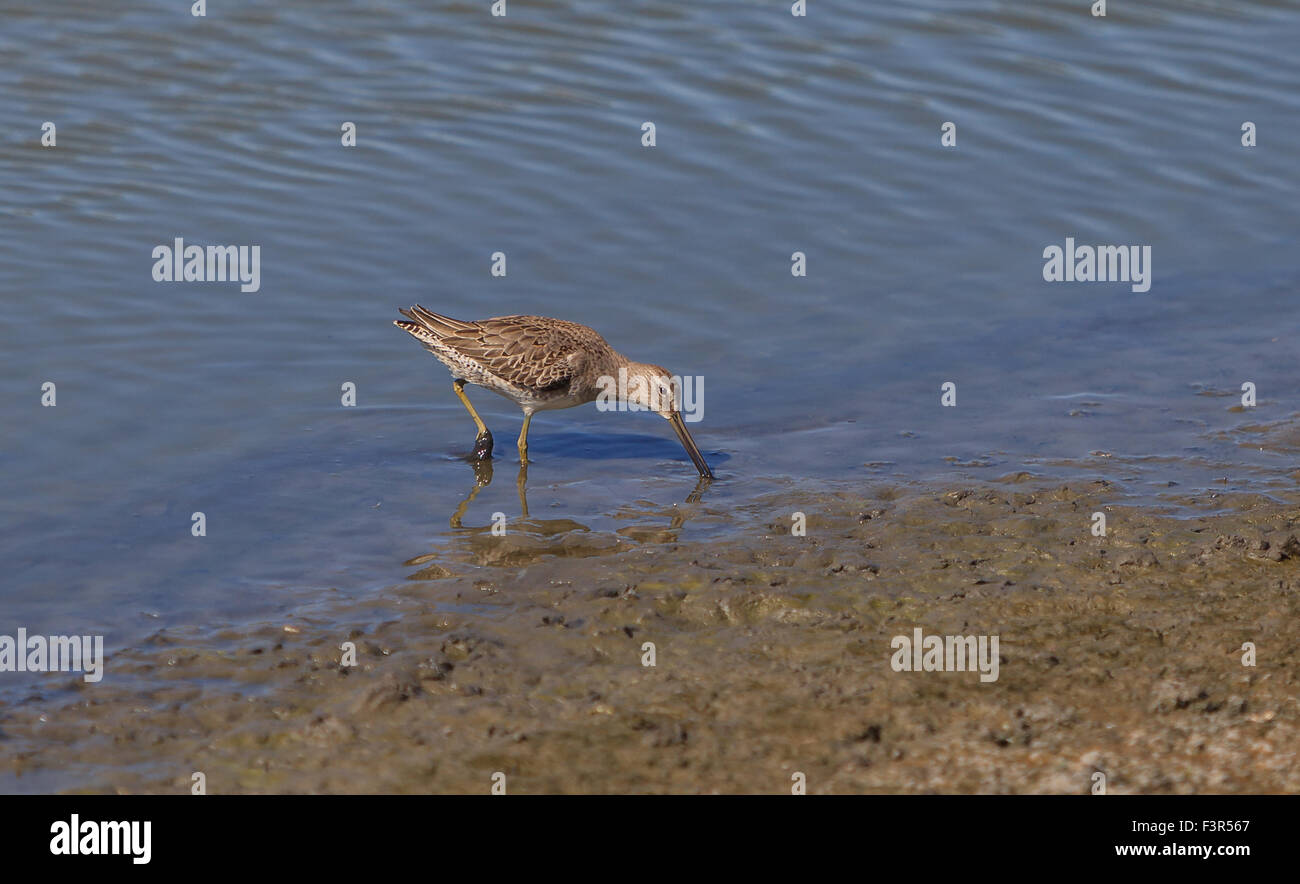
[(774, 134)]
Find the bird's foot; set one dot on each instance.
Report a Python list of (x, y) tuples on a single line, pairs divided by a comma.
[(483, 446)]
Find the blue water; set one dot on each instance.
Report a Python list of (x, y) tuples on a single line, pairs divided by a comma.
[(476, 134)]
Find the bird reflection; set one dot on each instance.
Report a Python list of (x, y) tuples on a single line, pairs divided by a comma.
[(698, 494), (483, 477)]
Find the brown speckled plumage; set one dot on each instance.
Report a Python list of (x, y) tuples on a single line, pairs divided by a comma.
[(537, 359)]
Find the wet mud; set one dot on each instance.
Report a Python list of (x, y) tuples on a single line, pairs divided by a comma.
[(1119, 655)]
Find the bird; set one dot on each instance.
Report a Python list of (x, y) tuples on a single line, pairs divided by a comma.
[(540, 364)]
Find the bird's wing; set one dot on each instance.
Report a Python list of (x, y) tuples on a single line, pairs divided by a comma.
[(532, 352)]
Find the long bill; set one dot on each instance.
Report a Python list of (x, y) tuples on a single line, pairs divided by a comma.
[(679, 426)]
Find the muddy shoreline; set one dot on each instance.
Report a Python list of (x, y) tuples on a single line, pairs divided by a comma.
[(1119, 655)]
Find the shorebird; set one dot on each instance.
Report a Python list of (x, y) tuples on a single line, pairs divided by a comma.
[(542, 364)]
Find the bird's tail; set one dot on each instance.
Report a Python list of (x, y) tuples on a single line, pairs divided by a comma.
[(429, 327)]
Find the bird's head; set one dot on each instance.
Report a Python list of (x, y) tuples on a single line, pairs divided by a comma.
[(651, 388)]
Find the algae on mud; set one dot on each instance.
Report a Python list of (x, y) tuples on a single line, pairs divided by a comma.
[(1119, 654)]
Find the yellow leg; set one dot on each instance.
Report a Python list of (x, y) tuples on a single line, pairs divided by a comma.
[(459, 387), (483, 442), (523, 440)]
